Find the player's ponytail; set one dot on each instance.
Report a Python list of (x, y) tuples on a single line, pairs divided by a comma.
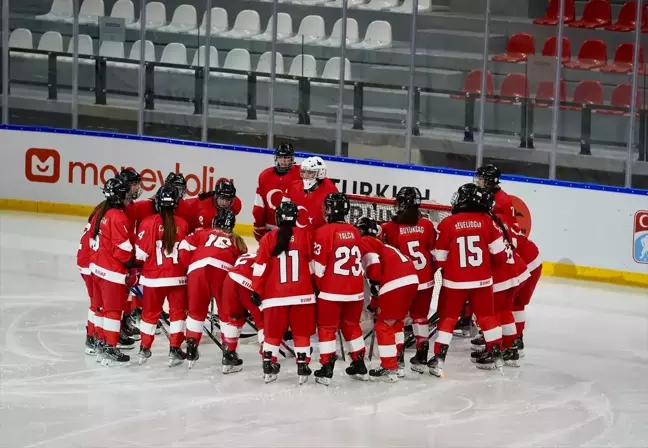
[(283, 238), (100, 211), (94, 212), (409, 216), (239, 243), (502, 227), (169, 233)]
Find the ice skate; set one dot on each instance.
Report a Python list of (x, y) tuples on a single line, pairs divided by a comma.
[(324, 375), (401, 364), (192, 352), (231, 362), (462, 329), (99, 350), (144, 355), (303, 369), (125, 343), (270, 368), (476, 354), (90, 345), (490, 360), (511, 357), (383, 374), (358, 370), (436, 364), (519, 345), (112, 356), (176, 356), (418, 362), (478, 344), (129, 329)]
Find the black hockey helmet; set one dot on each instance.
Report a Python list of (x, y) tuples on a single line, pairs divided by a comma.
[(284, 153), (367, 226), (488, 176), (408, 197), (225, 219), (178, 181), (469, 198), (336, 207), (286, 212), (134, 181), (166, 198), (225, 190), (116, 191)]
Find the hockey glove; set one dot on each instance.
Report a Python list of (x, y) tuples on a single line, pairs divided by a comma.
[(259, 232), (133, 276), (256, 299), (373, 287)]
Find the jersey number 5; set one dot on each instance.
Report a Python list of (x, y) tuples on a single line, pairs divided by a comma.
[(469, 251), (419, 259), (342, 256)]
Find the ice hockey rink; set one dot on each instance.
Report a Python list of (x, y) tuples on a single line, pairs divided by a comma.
[(583, 382)]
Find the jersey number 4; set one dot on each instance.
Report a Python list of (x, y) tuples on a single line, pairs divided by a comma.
[(469, 251)]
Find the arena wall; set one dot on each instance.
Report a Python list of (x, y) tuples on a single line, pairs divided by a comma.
[(583, 231)]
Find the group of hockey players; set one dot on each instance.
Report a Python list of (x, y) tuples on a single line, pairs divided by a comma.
[(309, 274)]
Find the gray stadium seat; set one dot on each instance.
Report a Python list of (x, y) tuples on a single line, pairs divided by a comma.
[(236, 59), (124, 9), (332, 69), (85, 48), (199, 57), (155, 17), (21, 38), (335, 39), (184, 20), (59, 11), (50, 41), (284, 28), (378, 35), (311, 30), (219, 23), (338, 3), (174, 53), (247, 24), (407, 6), (265, 65), (377, 5), (89, 12)]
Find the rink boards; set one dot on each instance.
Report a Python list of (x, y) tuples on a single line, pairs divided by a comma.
[(583, 231)]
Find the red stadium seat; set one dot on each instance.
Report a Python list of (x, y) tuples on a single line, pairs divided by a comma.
[(546, 92), (592, 54), (516, 85), (550, 48), (621, 97), (472, 84), (519, 46), (623, 59), (626, 19), (587, 92), (551, 15), (597, 13)]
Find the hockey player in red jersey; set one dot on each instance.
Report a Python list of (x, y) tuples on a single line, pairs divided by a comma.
[(187, 207), (222, 198), (467, 245), (308, 194), (283, 289), (337, 266), (236, 298), (488, 178), (208, 255), (113, 256), (531, 256), (273, 182), (415, 236), (162, 276), (394, 284)]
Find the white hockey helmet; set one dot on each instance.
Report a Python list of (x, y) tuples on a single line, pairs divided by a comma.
[(312, 170)]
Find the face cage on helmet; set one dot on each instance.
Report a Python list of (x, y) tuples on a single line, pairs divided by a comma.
[(289, 162)]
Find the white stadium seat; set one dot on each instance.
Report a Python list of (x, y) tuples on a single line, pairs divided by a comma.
[(89, 12), (219, 23), (155, 16), (284, 28), (310, 2), (332, 69), (60, 10), (199, 57), (265, 64), (109, 49), (124, 9), (136, 51), (378, 4), (335, 39), (21, 38), (338, 3), (184, 20), (49, 41), (303, 65), (247, 24), (85, 48), (406, 7), (378, 35), (174, 53), (311, 29), (236, 59)]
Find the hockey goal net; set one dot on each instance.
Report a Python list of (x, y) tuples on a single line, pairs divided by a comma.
[(382, 209)]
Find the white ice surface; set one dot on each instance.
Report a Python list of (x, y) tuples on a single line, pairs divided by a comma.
[(584, 381)]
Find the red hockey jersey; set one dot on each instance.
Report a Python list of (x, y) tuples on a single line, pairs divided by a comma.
[(511, 271), (416, 242), (337, 263), (465, 249), (285, 279), (526, 248), (138, 211), (205, 210), (310, 205), (209, 247), (84, 253), (269, 192), (504, 207), (241, 273), (160, 268), (386, 265), (112, 247)]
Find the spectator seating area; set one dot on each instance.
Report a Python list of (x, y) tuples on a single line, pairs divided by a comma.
[(597, 57)]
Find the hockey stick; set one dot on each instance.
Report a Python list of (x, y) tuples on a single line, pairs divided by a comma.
[(283, 343), (339, 333), (373, 340)]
